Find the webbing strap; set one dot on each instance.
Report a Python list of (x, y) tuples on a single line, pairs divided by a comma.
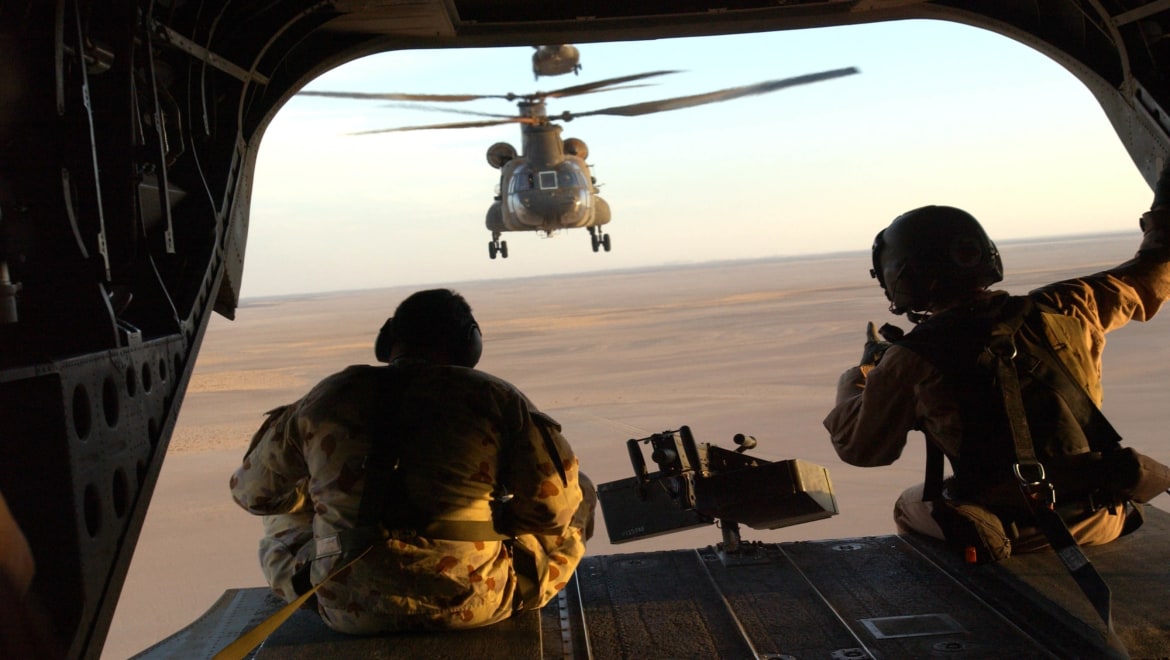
[(360, 538), (239, 649), (1052, 371), (1037, 490), (1075, 561), (932, 485), (551, 448), (1003, 351), (382, 461)]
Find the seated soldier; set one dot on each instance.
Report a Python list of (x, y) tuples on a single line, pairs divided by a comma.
[(461, 502), (936, 265)]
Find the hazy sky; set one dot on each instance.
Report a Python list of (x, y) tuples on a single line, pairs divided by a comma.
[(940, 113)]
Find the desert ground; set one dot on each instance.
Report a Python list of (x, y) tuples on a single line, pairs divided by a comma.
[(744, 347)]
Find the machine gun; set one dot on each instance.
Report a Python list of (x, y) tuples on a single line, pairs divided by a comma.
[(699, 484)]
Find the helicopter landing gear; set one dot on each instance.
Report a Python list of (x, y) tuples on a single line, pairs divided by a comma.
[(598, 239), (496, 246)]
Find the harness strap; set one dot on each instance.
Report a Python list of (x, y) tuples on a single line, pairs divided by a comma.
[(382, 461), (243, 645), (1050, 370), (932, 487), (551, 447), (1037, 490)]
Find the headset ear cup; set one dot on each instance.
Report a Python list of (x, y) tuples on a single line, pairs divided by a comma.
[(385, 341), (470, 347), (875, 252)]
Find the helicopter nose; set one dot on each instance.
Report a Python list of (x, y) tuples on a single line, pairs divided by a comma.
[(550, 202), (550, 209)]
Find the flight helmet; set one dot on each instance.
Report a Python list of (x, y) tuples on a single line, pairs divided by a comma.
[(933, 254)]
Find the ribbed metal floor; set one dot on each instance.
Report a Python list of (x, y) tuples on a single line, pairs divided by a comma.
[(871, 597)]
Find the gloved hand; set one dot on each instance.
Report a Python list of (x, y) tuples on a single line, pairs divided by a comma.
[(1162, 188), (1155, 224), (875, 347)]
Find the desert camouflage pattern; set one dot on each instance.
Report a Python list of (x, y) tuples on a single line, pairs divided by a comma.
[(465, 438), (284, 549), (878, 405)]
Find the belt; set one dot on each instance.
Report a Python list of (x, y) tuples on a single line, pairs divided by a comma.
[(448, 530)]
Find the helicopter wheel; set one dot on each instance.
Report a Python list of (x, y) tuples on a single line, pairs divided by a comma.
[(605, 242), (596, 243), (504, 249), (492, 249)]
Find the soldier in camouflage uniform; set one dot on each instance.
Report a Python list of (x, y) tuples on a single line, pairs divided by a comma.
[(471, 454), (935, 264)]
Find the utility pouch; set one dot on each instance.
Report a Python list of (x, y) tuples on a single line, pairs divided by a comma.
[(970, 526), (1133, 475)]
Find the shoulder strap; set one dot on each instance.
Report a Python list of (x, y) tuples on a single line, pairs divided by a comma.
[(382, 461), (551, 448), (1047, 368), (999, 356)]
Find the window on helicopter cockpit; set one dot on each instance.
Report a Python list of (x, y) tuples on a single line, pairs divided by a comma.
[(566, 179), (520, 182), (548, 180)]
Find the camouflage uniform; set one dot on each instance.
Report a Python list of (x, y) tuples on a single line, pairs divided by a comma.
[(465, 439), (878, 405)]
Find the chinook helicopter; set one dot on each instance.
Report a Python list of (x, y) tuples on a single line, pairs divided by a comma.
[(547, 186), (555, 60)]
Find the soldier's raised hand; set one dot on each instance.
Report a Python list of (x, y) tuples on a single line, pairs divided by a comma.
[(875, 346)]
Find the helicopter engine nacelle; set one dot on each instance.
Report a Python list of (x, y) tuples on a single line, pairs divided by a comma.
[(576, 147), (500, 153)]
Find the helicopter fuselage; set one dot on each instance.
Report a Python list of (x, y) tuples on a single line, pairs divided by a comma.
[(546, 189)]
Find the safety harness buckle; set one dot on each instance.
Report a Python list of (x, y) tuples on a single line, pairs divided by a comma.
[(1034, 484)]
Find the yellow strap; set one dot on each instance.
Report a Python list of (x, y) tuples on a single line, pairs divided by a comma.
[(239, 649)]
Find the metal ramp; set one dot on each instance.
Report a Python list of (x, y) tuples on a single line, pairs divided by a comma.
[(869, 597)]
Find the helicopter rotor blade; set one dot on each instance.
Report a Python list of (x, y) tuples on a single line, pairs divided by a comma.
[(600, 85), (479, 113), (456, 111), (636, 109), (574, 90), (459, 124), (391, 96)]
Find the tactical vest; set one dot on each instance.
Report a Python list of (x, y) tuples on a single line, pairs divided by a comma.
[(1059, 391)]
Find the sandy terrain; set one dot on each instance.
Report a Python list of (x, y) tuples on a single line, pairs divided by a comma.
[(745, 347)]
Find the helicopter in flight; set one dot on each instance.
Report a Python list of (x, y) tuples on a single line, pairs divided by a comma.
[(555, 60), (547, 186)]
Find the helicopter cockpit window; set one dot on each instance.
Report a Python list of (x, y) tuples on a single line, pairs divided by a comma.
[(566, 179), (548, 180), (522, 179)]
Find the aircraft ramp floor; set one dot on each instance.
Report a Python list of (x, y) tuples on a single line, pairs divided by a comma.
[(870, 597)]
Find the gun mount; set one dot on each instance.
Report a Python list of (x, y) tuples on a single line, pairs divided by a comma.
[(700, 484)]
